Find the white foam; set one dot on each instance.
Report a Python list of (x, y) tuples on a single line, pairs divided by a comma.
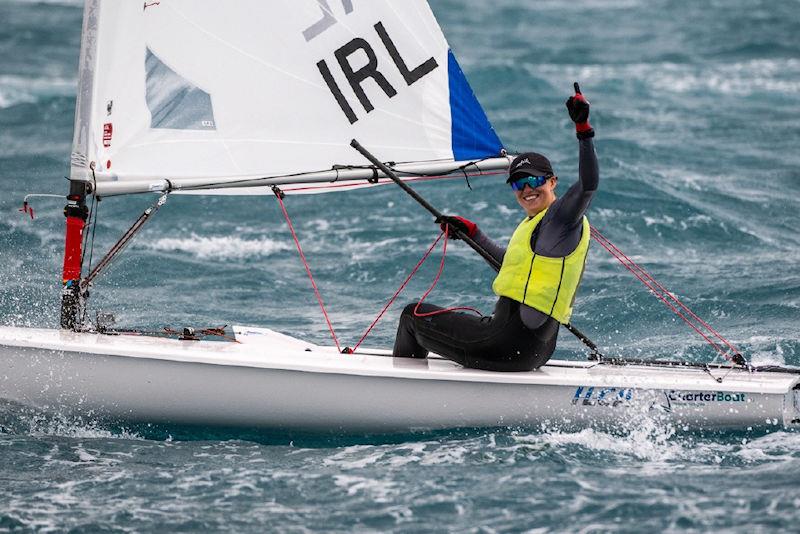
[(218, 247), (505, 211), (377, 490), (22, 90), (645, 438), (741, 78), (353, 458), (79, 430), (664, 220), (25, 420)]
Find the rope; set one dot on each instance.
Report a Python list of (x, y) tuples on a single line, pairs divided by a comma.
[(90, 242), (279, 196), (660, 292), (668, 293), (435, 281), (447, 173), (444, 233), (397, 293)]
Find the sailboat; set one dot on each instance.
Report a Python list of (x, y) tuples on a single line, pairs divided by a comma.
[(255, 98)]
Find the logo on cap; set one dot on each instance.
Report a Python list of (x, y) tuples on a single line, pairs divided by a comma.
[(519, 163)]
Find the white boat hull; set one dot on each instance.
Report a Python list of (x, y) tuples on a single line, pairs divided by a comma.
[(273, 381)]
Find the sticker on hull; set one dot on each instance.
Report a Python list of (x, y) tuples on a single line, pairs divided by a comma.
[(601, 396), (615, 397)]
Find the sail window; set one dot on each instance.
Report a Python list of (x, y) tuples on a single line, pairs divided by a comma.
[(174, 102)]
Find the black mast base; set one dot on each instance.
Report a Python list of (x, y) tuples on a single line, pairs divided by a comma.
[(70, 305)]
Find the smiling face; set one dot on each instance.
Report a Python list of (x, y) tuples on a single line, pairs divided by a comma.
[(535, 200)]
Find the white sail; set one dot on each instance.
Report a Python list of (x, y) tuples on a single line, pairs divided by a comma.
[(201, 92)]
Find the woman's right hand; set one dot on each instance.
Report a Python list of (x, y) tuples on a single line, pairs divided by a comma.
[(461, 224), (578, 108)]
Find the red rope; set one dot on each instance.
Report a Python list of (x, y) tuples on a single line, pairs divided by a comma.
[(659, 291), (435, 281), (445, 233), (308, 271), (383, 181), (668, 293), (397, 293)]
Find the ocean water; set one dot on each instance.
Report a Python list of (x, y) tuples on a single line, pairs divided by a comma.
[(696, 108)]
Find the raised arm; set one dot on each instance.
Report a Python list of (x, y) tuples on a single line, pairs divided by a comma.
[(577, 198), (572, 206), (561, 227)]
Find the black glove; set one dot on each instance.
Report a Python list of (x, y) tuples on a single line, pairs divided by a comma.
[(466, 226), (578, 108)]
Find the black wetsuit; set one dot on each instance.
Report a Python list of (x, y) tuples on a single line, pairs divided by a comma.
[(515, 337)]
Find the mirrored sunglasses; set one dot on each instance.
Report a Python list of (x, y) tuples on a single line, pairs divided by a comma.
[(531, 181)]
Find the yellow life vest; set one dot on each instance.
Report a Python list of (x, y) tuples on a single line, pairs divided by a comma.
[(546, 284)]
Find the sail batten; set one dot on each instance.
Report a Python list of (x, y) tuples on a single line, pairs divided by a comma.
[(195, 90)]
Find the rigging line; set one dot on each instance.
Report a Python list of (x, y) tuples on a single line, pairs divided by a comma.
[(381, 181), (669, 293), (279, 195), (442, 174), (462, 168), (123, 241), (399, 290), (91, 213), (95, 210), (658, 295), (86, 239), (665, 291), (661, 297), (433, 284), (717, 379)]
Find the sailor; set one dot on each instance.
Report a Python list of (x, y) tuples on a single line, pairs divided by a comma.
[(541, 269)]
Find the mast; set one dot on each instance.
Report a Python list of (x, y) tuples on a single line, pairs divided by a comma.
[(76, 211), (76, 214)]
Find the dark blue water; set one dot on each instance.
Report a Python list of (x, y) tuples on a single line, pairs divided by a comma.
[(696, 108)]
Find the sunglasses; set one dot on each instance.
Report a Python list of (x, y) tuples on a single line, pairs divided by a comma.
[(531, 181)]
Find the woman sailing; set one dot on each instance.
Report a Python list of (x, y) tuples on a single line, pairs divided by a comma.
[(540, 273)]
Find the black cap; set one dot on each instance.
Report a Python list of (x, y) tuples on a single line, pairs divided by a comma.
[(529, 164)]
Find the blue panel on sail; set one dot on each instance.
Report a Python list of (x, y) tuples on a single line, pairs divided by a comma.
[(472, 135)]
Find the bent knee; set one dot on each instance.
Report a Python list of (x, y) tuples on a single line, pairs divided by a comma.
[(409, 309)]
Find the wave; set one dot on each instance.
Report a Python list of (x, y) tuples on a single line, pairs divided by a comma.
[(15, 90), (218, 247), (740, 78), (644, 441)]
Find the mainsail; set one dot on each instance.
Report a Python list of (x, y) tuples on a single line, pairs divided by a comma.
[(199, 94)]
